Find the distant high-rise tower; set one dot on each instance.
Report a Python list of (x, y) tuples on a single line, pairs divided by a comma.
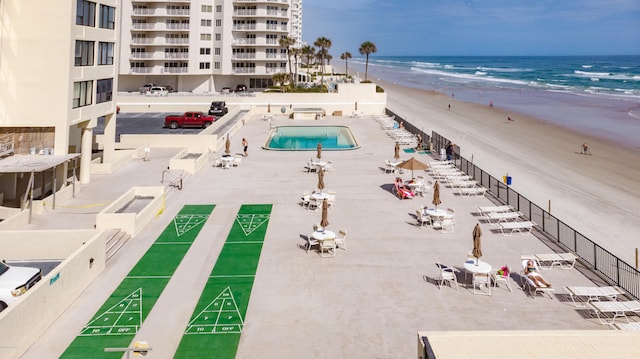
[(205, 45)]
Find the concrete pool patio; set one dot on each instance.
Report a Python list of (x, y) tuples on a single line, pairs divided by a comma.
[(367, 302)]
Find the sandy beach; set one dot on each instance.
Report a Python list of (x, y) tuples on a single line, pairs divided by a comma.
[(598, 195)]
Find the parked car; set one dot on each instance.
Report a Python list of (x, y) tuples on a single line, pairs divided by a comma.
[(158, 91), (15, 281), (226, 90), (241, 88), (189, 119), (218, 109), (146, 88)]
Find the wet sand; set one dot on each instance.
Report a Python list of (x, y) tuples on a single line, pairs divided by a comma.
[(598, 194)]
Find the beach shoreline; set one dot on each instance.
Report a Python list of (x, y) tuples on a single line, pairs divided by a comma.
[(597, 195)]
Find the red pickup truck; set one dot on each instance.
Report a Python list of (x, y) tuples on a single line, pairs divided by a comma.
[(188, 119)]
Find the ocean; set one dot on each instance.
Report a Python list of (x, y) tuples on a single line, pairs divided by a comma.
[(595, 95)]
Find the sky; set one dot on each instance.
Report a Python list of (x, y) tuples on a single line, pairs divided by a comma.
[(475, 27)]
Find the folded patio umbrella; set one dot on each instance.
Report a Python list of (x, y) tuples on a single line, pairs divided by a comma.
[(477, 250), (321, 179), (413, 164), (319, 155), (324, 222), (436, 194), (227, 146), (397, 151)]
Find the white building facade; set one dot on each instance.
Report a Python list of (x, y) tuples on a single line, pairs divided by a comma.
[(203, 46), (58, 75)]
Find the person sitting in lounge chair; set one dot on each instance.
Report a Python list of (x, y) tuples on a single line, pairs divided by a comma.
[(531, 271), (402, 191)]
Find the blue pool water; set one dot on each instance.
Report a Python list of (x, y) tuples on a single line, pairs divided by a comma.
[(306, 138)]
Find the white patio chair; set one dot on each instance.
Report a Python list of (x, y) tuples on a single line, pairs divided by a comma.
[(502, 278), (310, 243), (328, 246), (481, 280), (422, 218), (341, 239), (447, 274), (313, 204), (305, 199), (447, 224)]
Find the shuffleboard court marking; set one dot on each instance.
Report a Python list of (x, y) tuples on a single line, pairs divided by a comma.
[(250, 222), (124, 318), (221, 316), (186, 222)]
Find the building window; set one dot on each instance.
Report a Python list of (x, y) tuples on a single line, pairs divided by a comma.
[(205, 37), (205, 65), (206, 8), (218, 22), (216, 65), (85, 13), (205, 51), (216, 51), (218, 37), (82, 93), (105, 53), (205, 22), (218, 8), (104, 90), (107, 17), (84, 53)]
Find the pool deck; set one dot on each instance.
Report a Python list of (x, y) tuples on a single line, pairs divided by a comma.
[(367, 302)]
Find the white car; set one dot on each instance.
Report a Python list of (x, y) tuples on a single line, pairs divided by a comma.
[(158, 91), (15, 281)]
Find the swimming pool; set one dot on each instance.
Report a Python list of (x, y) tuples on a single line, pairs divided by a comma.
[(306, 138)]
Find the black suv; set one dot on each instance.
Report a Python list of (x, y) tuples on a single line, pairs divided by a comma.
[(218, 109), (241, 88)]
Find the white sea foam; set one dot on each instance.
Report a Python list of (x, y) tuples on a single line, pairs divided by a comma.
[(592, 74), (587, 66), (503, 69), (480, 73), (472, 77)]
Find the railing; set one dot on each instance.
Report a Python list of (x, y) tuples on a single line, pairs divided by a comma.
[(592, 255)]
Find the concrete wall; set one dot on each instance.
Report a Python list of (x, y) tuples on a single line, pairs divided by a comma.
[(13, 218), (83, 254), (132, 223), (195, 143), (368, 100), (120, 159), (189, 165)]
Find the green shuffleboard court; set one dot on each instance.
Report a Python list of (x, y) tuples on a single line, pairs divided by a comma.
[(118, 320), (216, 324)]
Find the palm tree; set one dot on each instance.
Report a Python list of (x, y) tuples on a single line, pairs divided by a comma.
[(346, 56), (308, 52), (367, 48), (286, 42), (295, 51), (324, 44), (279, 78)]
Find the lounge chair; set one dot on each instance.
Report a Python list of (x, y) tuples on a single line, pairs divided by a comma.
[(508, 228), (472, 191), (562, 260), (401, 191), (529, 285)]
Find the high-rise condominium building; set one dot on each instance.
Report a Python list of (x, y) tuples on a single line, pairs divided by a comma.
[(57, 77), (205, 45)]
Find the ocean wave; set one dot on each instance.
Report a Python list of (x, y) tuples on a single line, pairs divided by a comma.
[(425, 64), (587, 66), (604, 75), (458, 75), (503, 69), (480, 73), (590, 74)]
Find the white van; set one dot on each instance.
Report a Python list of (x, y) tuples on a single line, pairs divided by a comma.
[(15, 281)]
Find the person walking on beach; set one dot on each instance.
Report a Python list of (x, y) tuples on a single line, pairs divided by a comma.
[(245, 145), (585, 149)]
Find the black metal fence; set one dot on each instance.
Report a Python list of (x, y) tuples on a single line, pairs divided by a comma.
[(591, 254)]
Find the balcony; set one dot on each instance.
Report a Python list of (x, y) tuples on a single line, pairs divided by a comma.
[(244, 70), (141, 55), (243, 56), (174, 70), (160, 27), (176, 55), (244, 27), (141, 70)]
